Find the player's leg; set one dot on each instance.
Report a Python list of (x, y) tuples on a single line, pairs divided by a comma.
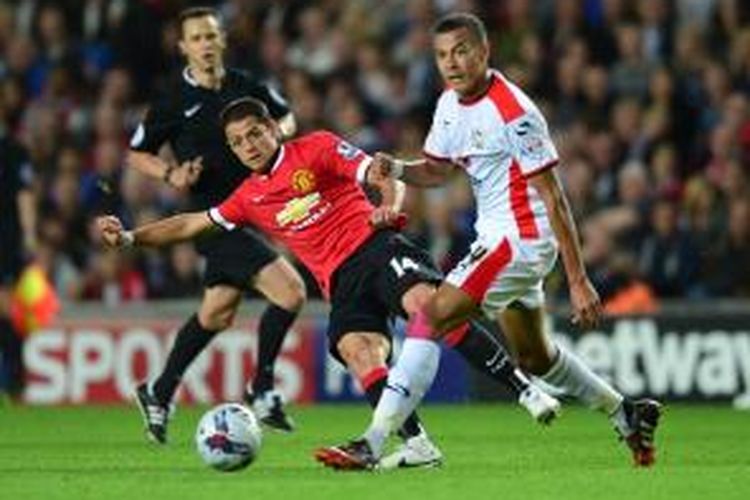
[(537, 354), (365, 355), (284, 288), (216, 313), (452, 311), (437, 314), (356, 307)]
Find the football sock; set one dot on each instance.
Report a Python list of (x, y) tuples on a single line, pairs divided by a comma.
[(373, 384), (408, 381), (274, 324), (569, 374), (11, 352), (482, 350), (191, 340)]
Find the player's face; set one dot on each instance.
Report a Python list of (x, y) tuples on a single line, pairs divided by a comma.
[(202, 42), (462, 60), (253, 141)]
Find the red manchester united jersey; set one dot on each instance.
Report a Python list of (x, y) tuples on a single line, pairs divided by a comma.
[(310, 201)]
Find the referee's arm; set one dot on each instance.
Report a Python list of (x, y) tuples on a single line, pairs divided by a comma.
[(157, 128), (148, 163)]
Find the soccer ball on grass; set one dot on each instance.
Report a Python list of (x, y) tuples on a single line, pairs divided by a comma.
[(228, 437)]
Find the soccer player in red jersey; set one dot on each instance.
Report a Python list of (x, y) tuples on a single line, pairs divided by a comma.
[(487, 128), (307, 195)]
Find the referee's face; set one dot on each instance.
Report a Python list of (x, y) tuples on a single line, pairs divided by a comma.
[(253, 141), (202, 42), (462, 60)]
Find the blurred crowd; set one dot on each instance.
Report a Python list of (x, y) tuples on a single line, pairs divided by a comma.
[(648, 101)]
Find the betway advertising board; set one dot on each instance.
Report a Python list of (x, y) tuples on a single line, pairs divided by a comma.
[(671, 357), (100, 361)]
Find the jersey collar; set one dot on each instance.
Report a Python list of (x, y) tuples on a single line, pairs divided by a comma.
[(276, 163), (491, 77), (190, 79)]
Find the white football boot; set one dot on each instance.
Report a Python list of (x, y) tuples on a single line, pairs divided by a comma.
[(416, 451)]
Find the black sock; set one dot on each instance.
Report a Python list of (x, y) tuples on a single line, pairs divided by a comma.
[(274, 324), (486, 354), (412, 426), (190, 342), (11, 350)]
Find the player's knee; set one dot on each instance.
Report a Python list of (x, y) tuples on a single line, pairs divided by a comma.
[(294, 296), (217, 320), (439, 313), (359, 357), (417, 298)]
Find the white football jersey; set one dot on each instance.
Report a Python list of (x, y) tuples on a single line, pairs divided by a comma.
[(499, 138)]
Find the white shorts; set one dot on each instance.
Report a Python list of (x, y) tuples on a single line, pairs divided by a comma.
[(498, 272)]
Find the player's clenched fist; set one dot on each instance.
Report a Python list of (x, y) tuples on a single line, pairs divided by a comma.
[(112, 231), (386, 217)]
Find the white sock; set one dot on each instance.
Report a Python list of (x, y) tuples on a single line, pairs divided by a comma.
[(408, 382), (574, 378)]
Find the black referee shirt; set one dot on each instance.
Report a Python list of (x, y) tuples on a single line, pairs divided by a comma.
[(16, 175), (188, 119)]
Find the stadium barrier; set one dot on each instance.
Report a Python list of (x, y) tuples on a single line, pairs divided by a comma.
[(96, 355)]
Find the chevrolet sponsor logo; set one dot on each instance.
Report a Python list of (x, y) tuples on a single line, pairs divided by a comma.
[(297, 209)]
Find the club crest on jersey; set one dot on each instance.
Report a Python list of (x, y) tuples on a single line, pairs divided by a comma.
[(346, 150), (303, 181)]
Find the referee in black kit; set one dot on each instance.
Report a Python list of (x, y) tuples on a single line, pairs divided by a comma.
[(187, 118), (17, 243)]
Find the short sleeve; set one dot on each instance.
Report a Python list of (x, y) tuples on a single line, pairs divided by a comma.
[(159, 126), (230, 213), (530, 143), (347, 160), (277, 105), (437, 145)]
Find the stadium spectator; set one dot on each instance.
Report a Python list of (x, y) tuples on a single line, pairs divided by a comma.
[(668, 257)]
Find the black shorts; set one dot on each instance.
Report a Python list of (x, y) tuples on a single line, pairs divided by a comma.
[(234, 258), (367, 288)]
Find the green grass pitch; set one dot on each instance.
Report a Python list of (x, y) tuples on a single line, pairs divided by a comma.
[(492, 451)]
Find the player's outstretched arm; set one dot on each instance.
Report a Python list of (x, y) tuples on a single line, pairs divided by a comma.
[(159, 233), (584, 299), (424, 172)]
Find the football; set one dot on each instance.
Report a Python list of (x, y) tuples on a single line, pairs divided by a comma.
[(228, 437)]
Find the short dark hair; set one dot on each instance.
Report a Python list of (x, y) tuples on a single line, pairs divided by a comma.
[(458, 20), (195, 12), (242, 108)]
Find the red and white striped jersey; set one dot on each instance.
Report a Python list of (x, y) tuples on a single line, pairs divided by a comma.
[(500, 138)]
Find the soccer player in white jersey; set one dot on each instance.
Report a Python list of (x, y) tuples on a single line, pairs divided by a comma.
[(488, 128)]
